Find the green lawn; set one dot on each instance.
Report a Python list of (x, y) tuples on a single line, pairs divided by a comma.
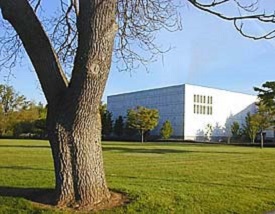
[(159, 177)]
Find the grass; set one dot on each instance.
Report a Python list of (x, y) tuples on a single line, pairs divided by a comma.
[(159, 177)]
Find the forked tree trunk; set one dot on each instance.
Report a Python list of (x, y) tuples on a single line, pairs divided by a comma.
[(73, 114)]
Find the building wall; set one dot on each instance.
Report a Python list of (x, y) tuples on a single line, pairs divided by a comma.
[(169, 101), (226, 106), (219, 108)]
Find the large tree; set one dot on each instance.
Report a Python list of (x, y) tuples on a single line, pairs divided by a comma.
[(83, 39)]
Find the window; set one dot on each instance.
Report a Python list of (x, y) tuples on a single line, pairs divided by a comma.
[(203, 104)]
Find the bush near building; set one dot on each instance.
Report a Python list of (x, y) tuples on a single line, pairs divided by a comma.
[(166, 130)]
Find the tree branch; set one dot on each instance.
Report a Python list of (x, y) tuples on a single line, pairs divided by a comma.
[(20, 15), (251, 8)]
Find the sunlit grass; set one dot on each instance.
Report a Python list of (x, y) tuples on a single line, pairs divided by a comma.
[(158, 177)]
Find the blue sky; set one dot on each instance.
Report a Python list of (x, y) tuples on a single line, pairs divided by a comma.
[(208, 51)]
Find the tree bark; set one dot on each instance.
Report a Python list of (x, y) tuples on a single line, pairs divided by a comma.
[(73, 122), (61, 153), (97, 28)]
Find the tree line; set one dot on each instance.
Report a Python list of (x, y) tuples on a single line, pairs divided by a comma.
[(139, 120), (264, 117), (20, 117)]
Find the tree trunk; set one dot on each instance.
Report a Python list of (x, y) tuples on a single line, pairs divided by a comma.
[(262, 140), (76, 148), (61, 152), (89, 179), (73, 121), (228, 140), (142, 136)]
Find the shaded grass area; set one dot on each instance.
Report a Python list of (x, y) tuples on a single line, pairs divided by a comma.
[(158, 177)]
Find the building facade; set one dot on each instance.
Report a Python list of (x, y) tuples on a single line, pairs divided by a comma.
[(195, 112)]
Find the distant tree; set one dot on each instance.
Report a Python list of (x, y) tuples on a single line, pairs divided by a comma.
[(107, 123), (267, 95), (40, 128), (235, 129), (251, 127), (31, 121), (11, 100), (166, 130), (119, 126), (142, 119), (264, 118), (106, 120), (208, 131), (11, 104)]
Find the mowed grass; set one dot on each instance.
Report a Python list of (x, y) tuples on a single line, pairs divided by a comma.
[(158, 177)]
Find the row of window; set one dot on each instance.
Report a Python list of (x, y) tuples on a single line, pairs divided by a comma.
[(203, 99), (201, 109)]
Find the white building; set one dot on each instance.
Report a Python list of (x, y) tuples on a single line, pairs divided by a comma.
[(190, 109)]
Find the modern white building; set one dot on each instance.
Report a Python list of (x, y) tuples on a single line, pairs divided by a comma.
[(191, 109)]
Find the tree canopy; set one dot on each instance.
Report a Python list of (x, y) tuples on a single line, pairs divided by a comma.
[(166, 130), (142, 119)]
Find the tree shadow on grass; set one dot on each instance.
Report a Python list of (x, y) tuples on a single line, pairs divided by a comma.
[(25, 146), (187, 181), (37, 195), (165, 151), (144, 150), (25, 168)]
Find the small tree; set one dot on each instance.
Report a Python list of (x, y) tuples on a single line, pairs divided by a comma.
[(166, 130), (251, 127), (119, 126), (106, 120), (208, 132), (264, 118), (142, 119), (235, 129), (266, 94)]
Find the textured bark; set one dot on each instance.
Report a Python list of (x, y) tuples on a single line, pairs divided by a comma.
[(73, 121), (61, 152), (97, 28)]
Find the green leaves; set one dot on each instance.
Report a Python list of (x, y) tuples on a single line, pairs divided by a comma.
[(166, 130), (267, 95), (142, 118)]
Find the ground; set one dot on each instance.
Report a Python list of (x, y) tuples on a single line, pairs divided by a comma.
[(157, 177)]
